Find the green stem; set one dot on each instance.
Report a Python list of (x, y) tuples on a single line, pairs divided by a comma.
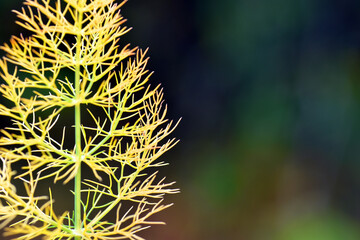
[(77, 190), (78, 151)]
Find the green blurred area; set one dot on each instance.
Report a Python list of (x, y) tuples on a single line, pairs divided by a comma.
[(269, 94), (328, 226)]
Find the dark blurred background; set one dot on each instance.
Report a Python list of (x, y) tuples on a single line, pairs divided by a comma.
[(269, 93)]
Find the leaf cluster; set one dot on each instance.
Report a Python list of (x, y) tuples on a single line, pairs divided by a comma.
[(72, 60)]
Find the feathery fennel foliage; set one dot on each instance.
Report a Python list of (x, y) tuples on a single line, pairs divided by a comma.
[(72, 60)]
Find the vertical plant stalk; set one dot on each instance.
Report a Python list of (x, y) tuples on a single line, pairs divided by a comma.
[(78, 153)]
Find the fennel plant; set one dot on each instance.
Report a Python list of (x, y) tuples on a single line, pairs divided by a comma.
[(73, 60)]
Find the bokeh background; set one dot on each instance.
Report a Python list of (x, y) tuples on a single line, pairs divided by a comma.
[(269, 95)]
